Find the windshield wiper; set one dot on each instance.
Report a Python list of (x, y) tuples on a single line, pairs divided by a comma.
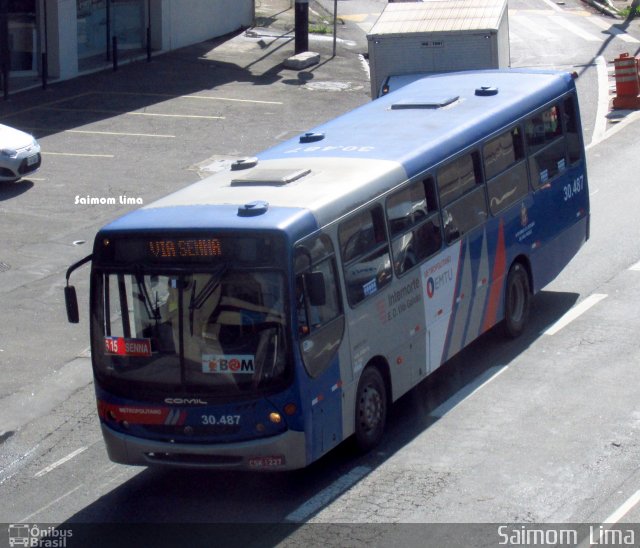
[(143, 295), (197, 300)]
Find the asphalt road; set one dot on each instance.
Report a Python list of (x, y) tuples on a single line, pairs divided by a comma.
[(543, 429)]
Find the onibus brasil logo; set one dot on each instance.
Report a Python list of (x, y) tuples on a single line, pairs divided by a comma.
[(23, 534)]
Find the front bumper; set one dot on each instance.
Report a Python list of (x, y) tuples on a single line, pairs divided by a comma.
[(23, 164), (282, 452)]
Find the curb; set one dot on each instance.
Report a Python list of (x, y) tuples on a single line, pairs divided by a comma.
[(607, 8)]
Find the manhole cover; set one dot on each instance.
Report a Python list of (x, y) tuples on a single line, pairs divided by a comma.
[(4, 267)]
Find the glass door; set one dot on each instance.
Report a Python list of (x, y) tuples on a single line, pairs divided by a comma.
[(23, 37)]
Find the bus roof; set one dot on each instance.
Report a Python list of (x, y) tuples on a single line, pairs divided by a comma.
[(348, 161)]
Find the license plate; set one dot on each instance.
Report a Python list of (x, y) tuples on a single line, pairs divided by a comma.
[(266, 462), (32, 160)]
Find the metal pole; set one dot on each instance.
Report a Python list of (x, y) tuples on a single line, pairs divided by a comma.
[(45, 58), (335, 25), (115, 53), (302, 26), (4, 47), (44, 69), (5, 80), (148, 31), (108, 29)]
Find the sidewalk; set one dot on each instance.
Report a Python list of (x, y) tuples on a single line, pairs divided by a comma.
[(274, 22)]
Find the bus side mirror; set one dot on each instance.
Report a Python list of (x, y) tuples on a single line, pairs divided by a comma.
[(316, 288), (71, 301), (70, 297)]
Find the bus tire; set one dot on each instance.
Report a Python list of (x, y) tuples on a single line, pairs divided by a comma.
[(517, 301), (371, 409)]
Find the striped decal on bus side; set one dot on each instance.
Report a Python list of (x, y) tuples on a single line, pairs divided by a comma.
[(481, 289), (497, 275)]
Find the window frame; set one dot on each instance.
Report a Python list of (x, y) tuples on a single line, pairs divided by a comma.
[(520, 163), (479, 187), (432, 215), (372, 253), (535, 175)]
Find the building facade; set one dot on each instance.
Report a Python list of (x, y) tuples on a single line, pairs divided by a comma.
[(78, 35)]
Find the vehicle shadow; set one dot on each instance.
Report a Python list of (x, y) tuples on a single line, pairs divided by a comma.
[(11, 190), (263, 509)]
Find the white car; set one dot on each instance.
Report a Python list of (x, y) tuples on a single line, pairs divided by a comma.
[(19, 154)]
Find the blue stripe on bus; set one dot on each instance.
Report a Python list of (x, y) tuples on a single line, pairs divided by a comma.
[(296, 222), (375, 131)]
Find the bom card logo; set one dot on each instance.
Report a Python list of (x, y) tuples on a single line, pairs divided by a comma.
[(239, 364), (23, 534)]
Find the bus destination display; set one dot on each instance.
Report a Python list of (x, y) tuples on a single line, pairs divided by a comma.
[(166, 250), (174, 249), (203, 249)]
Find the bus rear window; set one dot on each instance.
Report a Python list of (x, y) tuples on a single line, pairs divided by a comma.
[(543, 128), (572, 130)]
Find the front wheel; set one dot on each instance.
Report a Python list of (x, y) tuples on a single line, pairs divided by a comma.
[(371, 409), (517, 301)]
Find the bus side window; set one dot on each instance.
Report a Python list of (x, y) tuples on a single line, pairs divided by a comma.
[(464, 204), (574, 146), (365, 254), (318, 304), (414, 224), (505, 169), (545, 145)]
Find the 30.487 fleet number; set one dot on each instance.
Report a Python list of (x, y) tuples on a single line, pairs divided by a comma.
[(213, 420), (570, 190)]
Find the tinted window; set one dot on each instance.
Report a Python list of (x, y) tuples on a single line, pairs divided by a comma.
[(458, 177), (505, 169), (318, 304), (572, 129), (365, 254), (547, 163), (414, 224), (464, 214), (502, 152), (545, 145), (462, 196), (508, 188), (543, 128)]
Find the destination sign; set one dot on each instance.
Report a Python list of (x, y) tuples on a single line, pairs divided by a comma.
[(202, 249), (173, 249)]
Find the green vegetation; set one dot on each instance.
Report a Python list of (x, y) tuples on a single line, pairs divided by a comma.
[(320, 28), (630, 12)]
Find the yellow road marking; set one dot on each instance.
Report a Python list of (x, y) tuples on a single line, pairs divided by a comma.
[(203, 97), (177, 115), (158, 135), (77, 154), (135, 113)]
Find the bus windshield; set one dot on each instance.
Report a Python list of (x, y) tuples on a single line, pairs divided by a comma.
[(220, 332)]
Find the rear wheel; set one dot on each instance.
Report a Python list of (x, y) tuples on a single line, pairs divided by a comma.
[(517, 301), (371, 409)]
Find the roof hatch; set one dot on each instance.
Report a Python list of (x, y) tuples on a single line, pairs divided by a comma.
[(253, 209), (427, 103), (270, 177), (486, 91)]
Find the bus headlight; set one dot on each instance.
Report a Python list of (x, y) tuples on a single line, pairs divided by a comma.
[(275, 418)]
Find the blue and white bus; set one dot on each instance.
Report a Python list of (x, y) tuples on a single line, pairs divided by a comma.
[(261, 316)]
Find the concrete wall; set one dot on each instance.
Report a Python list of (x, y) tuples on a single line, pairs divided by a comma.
[(62, 29), (186, 22), (174, 24)]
